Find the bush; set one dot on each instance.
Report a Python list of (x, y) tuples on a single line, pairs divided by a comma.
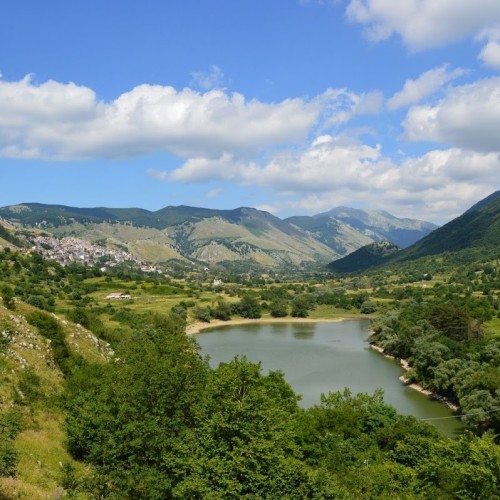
[(8, 458), (10, 426), (49, 327), (368, 307)]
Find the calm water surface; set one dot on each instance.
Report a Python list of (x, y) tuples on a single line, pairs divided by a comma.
[(324, 357)]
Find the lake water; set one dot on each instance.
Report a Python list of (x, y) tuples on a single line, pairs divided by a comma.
[(324, 357)]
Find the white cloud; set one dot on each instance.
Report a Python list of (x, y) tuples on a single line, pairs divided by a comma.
[(333, 163), (490, 54), (334, 170), (65, 121), (436, 186), (207, 80), (327, 163), (424, 24), (447, 167), (201, 169), (425, 85), (467, 117)]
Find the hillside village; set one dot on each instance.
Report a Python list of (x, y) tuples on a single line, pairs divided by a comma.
[(71, 250)]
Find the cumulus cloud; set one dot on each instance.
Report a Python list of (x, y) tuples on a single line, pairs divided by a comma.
[(336, 170), (202, 169), (467, 117), (424, 24), (437, 186), (66, 121), (425, 85), (332, 167), (327, 163)]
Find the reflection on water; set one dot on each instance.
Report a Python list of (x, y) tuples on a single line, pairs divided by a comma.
[(304, 333), (323, 357)]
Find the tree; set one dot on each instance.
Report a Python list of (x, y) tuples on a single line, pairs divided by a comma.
[(368, 307), (222, 311), (202, 314), (244, 446), (249, 307), (278, 308), (451, 320), (428, 355), (131, 419), (300, 306)]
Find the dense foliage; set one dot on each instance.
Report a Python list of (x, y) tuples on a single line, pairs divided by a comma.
[(158, 422), (448, 354)]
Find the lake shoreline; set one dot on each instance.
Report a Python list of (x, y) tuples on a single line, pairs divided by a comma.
[(416, 387), (199, 326)]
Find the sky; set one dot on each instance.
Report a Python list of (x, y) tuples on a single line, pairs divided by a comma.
[(289, 106)]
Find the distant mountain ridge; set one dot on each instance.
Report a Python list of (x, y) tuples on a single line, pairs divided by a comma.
[(475, 233), (214, 236), (381, 225)]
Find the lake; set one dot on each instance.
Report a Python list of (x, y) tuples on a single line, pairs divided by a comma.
[(324, 357)]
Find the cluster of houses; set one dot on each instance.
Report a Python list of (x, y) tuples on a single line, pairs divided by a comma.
[(71, 250)]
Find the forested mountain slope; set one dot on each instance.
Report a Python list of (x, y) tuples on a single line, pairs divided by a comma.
[(477, 228), (474, 234)]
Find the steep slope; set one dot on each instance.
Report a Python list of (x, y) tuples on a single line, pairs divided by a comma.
[(477, 228), (8, 237), (474, 234), (371, 255), (379, 225), (334, 233), (32, 435)]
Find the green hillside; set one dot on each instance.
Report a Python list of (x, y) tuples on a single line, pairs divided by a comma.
[(473, 235), (219, 237), (368, 256), (478, 228)]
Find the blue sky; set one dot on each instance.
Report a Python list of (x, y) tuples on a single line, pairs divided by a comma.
[(292, 106)]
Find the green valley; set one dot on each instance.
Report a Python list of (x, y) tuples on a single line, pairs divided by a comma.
[(105, 396)]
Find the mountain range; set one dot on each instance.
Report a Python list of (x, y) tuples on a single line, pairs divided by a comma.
[(474, 234), (216, 236)]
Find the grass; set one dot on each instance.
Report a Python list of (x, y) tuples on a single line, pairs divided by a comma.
[(32, 384), (331, 312), (42, 453), (492, 328)]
